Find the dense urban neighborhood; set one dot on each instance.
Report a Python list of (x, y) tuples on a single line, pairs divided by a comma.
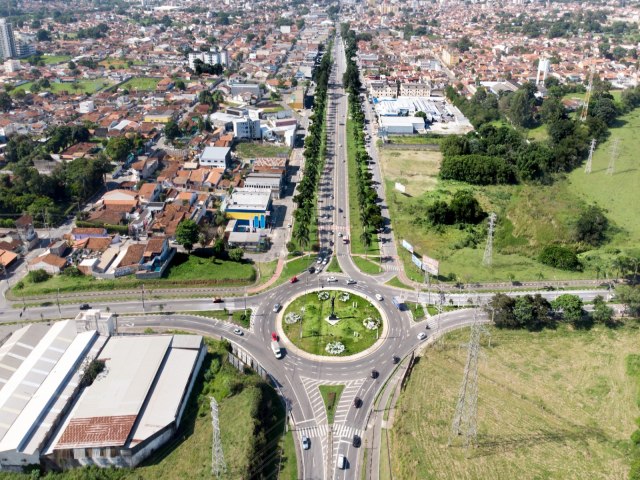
[(334, 240)]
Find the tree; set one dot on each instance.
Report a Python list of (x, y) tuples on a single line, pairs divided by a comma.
[(236, 254), (501, 310), (219, 248), (187, 234), (172, 130), (630, 298), (570, 306), (561, 257), (592, 226), (43, 36), (118, 148), (180, 85), (602, 313), (6, 103)]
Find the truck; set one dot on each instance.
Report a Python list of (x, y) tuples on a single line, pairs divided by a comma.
[(397, 302), (275, 348)]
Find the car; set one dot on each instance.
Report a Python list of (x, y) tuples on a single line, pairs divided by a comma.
[(379, 297), (339, 210), (340, 235), (276, 308), (237, 331), (422, 336), (325, 260), (332, 279), (274, 336), (306, 443), (85, 306), (395, 359), (357, 402), (293, 279), (374, 374), (217, 300), (319, 260), (311, 269), (356, 441), (351, 281), (288, 225)]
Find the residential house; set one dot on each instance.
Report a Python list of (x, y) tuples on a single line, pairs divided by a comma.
[(79, 233), (49, 262)]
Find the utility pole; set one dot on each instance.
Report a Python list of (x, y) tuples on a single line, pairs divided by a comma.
[(587, 97), (218, 465), (142, 295), (58, 300), (587, 168), (614, 155), (465, 419), (487, 259)]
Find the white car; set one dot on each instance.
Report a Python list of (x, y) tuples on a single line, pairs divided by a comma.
[(306, 443), (340, 235), (237, 331), (319, 260), (325, 260), (276, 308), (422, 336), (379, 297), (351, 281), (332, 279)]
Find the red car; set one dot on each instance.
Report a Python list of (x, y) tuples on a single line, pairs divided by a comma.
[(274, 336), (293, 280)]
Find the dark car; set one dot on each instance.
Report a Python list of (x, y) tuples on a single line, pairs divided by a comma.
[(357, 402), (217, 300), (356, 441), (374, 374), (395, 359), (85, 306), (312, 269)]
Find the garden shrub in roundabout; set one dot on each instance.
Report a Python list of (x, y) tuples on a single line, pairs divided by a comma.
[(306, 326)]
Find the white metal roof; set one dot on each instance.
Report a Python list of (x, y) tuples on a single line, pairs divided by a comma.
[(214, 153), (17, 347)]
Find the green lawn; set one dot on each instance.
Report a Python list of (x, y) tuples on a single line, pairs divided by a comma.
[(55, 59), (238, 316), (366, 265), (415, 139), (79, 86), (184, 271), (266, 270), (416, 310), (141, 83), (334, 267), (395, 282), (555, 404), (331, 397), (249, 150), (354, 208), (313, 333), (119, 62), (289, 465)]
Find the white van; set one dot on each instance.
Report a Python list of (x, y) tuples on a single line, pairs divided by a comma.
[(342, 462), (275, 347)]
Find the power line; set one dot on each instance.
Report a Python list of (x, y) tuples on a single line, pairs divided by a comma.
[(465, 418), (587, 97), (587, 168), (218, 465), (487, 259)]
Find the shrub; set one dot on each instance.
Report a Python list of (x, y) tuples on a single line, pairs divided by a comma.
[(477, 169), (559, 257), (38, 276), (592, 226)]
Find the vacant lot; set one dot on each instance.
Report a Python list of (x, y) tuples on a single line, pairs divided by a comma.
[(141, 83), (79, 86), (551, 405), (417, 170), (247, 150)]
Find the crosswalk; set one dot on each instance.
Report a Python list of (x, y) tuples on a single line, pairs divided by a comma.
[(338, 430)]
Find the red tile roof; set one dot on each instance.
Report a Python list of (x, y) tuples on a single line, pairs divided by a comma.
[(96, 432)]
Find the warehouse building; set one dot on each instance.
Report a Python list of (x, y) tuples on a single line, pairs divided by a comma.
[(271, 182), (248, 206), (134, 406)]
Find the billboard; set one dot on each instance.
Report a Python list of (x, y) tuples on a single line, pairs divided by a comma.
[(407, 245), (416, 261), (401, 188), (430, 265)]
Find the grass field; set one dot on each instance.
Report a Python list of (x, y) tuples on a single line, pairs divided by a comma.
[(529, 216), (354, 216), (317, 332), (266, 270), (415, 140), (55, 59), (333, 266), (119, 62), (185, 270), (367, 265), (417, 170), (551, 405), (249, 150), (80, 86), (141, 83), (238, 317), (331, 397)]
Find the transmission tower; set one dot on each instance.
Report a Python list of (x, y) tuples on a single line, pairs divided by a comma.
[(465, 417), (218, 466), (587, 97), (614, 155), (488, 251), (587, 168)]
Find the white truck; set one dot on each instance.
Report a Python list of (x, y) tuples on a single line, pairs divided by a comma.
[(275, 348)]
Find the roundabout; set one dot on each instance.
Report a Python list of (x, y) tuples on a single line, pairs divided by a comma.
[(332, 323)]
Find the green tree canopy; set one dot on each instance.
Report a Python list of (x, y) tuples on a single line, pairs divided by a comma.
[(187, 233)]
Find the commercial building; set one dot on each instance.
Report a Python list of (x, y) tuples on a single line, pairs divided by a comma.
[(251, 206), (7, 40), (271, 182), (215, 157), (401, 125), (134, 406)]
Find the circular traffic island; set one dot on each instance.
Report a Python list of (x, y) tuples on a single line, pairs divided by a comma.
[(332, 323)]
